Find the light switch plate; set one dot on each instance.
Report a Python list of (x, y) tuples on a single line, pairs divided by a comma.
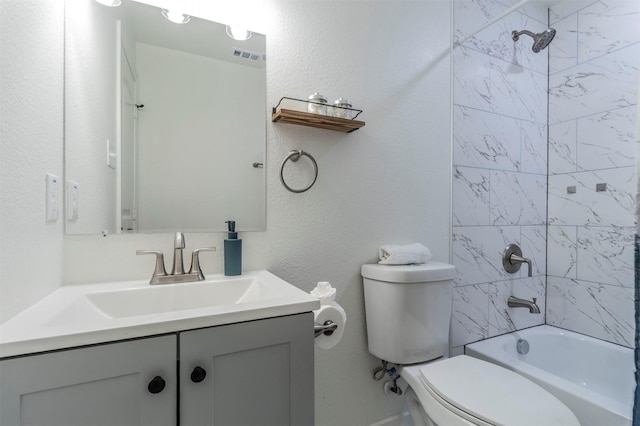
[(112, 155), (51, 196), (73, 193)]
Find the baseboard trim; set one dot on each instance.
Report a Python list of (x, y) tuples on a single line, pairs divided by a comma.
[(402, 419)]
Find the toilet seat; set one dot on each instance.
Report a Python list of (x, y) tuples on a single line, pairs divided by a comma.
[(427, 411), (467, 390)]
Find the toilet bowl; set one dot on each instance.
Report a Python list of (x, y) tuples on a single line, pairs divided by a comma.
[(408, 310)]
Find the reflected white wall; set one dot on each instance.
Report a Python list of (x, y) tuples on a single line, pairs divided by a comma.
[(196, 147), (90, 113)]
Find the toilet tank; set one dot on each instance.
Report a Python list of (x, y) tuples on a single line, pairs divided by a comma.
[(408, 310)]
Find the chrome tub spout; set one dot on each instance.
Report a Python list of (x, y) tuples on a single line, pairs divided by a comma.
[(515, 302)]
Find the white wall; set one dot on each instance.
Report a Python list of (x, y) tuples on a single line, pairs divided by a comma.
[(386, 183), (31, 115)]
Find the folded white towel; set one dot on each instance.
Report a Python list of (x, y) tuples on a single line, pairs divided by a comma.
[(404, 255)]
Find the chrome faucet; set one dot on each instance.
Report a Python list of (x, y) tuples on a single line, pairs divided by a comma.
[(515, 302), (177, 274)]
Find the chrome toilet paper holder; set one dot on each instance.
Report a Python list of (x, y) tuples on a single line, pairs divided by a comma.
[(327, 328)]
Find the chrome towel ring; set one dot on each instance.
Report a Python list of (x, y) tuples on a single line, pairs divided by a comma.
[(294, 155)]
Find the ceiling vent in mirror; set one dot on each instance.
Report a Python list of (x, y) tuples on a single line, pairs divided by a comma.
[(245, 54)]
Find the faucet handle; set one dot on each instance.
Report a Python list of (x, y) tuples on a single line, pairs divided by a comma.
[(195, 261), (178, 241), (512, 259), (159, 269), (178, 246), (519, 259)]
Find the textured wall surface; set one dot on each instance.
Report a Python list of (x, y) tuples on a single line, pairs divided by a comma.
[(593, 83), (499, 168), (31, 125), (386, 183)]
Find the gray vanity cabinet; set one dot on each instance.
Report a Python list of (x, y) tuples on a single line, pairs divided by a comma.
[(251, 373), (126, 383)]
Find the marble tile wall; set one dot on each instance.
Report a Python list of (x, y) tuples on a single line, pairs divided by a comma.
[(510, 185), (593, 95), (499, 167), (583, 259)]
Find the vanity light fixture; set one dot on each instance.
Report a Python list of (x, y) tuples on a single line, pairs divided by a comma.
[(175, 17), (110, 3), (238, 32)]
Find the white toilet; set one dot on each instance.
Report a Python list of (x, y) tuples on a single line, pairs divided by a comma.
[(408, 311)]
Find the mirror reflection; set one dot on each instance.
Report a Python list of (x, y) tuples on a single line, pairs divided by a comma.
[(164, 122)]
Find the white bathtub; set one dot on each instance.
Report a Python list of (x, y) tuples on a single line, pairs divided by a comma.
[(593, 378)]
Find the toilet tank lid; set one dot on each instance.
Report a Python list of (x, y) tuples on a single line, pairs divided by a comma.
[(425, 272)]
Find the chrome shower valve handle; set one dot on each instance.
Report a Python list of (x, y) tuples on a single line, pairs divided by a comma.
[(512, 260), (515, 259)]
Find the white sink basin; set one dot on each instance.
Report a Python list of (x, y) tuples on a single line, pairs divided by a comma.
[(162, 298), (97, 313)]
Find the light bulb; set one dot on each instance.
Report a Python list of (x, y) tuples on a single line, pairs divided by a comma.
[(176, 17), (238, 32), (110, 3)]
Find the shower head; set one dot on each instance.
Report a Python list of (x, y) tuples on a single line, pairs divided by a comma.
[(540, 40)]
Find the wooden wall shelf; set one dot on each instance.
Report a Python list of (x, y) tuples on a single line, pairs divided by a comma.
[(320, 121), (316, 120)]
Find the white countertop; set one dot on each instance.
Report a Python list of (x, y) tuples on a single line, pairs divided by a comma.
[(67, 317)]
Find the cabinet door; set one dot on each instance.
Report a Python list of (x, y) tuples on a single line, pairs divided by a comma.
[(252, 373), (98, 385)]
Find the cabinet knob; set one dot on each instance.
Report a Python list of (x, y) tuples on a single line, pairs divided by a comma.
[(198, 374), (156, 385)]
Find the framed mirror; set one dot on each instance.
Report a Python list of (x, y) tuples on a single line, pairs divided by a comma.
[(165, 123)]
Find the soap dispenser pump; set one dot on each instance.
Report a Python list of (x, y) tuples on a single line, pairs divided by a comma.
[(232, 251)]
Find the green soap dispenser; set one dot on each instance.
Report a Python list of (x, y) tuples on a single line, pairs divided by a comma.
[(232, 251)]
